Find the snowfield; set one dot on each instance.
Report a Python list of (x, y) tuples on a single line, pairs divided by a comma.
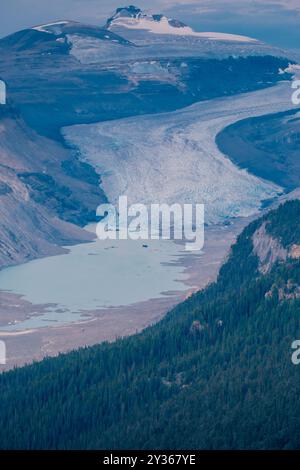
[(90, 50), (44, 28), (173, 157), (163, 26)]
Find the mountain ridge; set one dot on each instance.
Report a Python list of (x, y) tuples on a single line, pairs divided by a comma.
[(134, 18)]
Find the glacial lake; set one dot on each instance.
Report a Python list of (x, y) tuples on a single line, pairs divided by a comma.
[(96, 275)]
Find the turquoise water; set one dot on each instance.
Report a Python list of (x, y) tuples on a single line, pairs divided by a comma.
[(96, 275)]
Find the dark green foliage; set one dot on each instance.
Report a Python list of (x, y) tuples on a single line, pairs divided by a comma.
[(284, 223), (216, 373)]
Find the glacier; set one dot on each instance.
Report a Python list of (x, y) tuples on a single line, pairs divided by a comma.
[(92, 50), (173, 157)]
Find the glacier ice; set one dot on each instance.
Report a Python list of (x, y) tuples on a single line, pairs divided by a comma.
[(173, 157)]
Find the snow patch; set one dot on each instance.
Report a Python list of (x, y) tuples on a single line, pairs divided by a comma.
[(43, 27), (165, 26)]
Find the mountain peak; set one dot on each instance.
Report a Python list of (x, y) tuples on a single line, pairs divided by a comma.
[(131, 16), (130, 11), (134, 19)]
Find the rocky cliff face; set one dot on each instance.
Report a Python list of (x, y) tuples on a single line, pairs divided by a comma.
[(268, 249), (271, 244), (41, 196)]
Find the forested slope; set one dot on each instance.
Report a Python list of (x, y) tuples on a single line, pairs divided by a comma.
[(216, 373)]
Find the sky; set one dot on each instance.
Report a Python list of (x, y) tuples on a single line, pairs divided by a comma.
[(274, 21)]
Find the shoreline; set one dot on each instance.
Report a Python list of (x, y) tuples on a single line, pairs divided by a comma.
[(108, 324), (26, 346)]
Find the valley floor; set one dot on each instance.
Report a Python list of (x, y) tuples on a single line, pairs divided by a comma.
[(26, 346), (198, 143)]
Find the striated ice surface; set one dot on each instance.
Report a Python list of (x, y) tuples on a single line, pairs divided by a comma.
[(135, 19), (173, 157), (90, 50)]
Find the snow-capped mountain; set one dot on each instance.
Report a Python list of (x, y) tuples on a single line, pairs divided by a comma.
[(129, 27), (133, 18), (66, 73)]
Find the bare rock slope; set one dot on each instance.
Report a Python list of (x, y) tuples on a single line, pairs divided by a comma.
[(36, 191)]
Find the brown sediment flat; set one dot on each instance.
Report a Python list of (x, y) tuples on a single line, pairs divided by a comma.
[(14, 309), (24, 347)]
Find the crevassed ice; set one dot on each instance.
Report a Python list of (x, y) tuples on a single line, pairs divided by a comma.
[(173, 157)]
